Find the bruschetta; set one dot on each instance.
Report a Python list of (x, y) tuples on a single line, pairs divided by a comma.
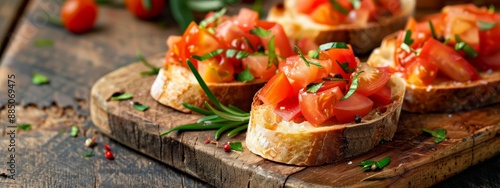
[(235, 56), (324, 107), (450, 61), (362, 23)]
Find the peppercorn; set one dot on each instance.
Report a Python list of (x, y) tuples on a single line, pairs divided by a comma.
[(106, 147), (207, 140), (357, 118), (109, 155), (338, 76), (227, 147)]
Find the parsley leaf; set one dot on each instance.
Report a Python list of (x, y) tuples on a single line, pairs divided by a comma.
[(74, 131), (461, 45), (491, 9), (245, 76), (353, 87), (373, 165), (24, 126), (314, 87), (212, 18), (236, 146), (260, 32), (484, 26), (339, 7), (345, 67), (89, 154), (123, 96), (209, 55), (331, 45), (439, 134), (140, 107), (407, 42), (39, 79)]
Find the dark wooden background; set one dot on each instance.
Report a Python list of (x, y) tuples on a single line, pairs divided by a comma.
[(47, 156)]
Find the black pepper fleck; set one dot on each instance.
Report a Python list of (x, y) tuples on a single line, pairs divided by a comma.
[(357, 118)]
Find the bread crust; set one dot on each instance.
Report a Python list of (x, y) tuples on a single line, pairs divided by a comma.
[(176, 84), (442, 95), (304, 145), (363, 38)]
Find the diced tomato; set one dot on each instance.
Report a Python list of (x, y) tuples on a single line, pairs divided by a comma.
[(216, 70), (382, 97), (420, 72), (307, 6), (289, 108), (233, 37), (489, 40), (341, 55), (172, 39), (276, 89), (306, 44), (325, 14), (451, 63), (356, 104), (281, 42), (403, 57), (258, 66), (486, 62), (221, 19), (318, 107), (459, 22), (247, 19), (299, 74), (331, 84), (195, 41), (371, 80)]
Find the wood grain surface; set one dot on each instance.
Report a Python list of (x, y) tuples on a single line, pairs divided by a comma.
[(50, 158), (416, 161)]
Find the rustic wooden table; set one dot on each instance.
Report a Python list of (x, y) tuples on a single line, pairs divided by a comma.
[(47, 156)]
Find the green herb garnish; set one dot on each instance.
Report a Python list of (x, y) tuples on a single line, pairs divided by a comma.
[(339, 7), (484, 26), (491, 9), (353, 87), (24, 127), (257, 7), (438, 134), (220, 116), (260, 32), (331, 45), (433, 32), (239, 54), (461, 45), (407, 42), (373, 165), (154, 70), (212, 18), (345, 67), (209, 55), (39, 79), (236, 146), (74, 131), (43, 42), (446, 41), (314, 87), (355, 3), (305, 60), (271, 54), (245, 76), (123, 96), (140, 107), (89, 154), (147, 5), (313, 54)]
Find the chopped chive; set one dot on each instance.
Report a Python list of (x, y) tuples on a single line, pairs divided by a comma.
[(140, 107), (123, 96), (260, 32), (331, 45), (339, 7), (39, 79), (209, 55), (345, 67), (314, 87), (407, 42), (245, 76), (43, 42), (484, 26), (212, 18), (304, 58), (236, 146), (433, 32)]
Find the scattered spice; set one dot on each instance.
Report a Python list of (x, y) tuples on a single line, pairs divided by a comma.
[(357, 118), (439, 134), (90, 142), (373, 165), (109, 155), (24, 127), (39, 79), (43, 42), (89, 154), (106, 147), (236, 146), (207, 141), (227, 147)]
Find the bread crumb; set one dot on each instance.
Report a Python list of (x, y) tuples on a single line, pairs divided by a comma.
[(450, 115), (400, 164), (349, 163), (282, 108)]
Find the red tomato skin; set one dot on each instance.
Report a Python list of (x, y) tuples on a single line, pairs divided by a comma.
[(451, 63), (341, 55), (307, 6), (258, 67), (247, 19), (421, 72), (79, 16), (382, 97), (318, 107), (136, 7), (281, 42), (276, 89), (356, 104), (289, 108), (371, 80)]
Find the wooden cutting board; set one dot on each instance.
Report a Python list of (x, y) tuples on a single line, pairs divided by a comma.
[(416, 161)]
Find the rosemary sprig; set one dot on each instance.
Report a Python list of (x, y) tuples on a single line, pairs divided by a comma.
[(218, 117)]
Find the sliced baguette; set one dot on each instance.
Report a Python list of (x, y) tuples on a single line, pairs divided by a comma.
[(305, 145), (443, 95), (363, 38), (176, 84)]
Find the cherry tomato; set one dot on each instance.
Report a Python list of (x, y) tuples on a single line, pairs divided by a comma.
[(382, 97), (289, 108), (318, 107), (371, 80), (79, 16), (138, 8), (356, 104), (298, 73), (276, 89), (450, 62)]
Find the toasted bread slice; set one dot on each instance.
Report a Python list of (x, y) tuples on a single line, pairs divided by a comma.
[(363, 38), (305, 145), (176, 84), (442, 95)]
